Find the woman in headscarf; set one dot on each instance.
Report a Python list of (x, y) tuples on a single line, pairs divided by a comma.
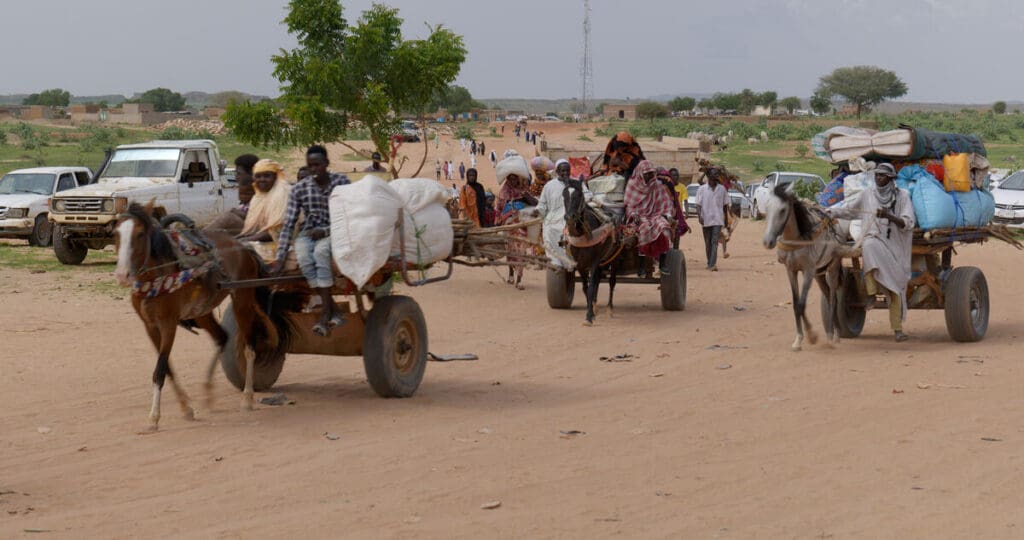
[(621, 156), (514, 196), (265, 218), (650, 210), (542, 174)]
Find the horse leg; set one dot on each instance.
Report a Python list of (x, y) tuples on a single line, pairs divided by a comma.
[(245, 314), (806, 288), (163, 336), (595, 282), (798, 342), (832, 282), (828, 319), (209, 323), (611, 289)]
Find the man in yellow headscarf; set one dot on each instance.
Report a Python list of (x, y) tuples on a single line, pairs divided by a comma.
[(265, 219)]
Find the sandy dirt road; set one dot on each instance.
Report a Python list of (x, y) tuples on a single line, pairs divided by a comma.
[(819, 444)]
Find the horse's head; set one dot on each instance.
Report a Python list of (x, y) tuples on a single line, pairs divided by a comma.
[(574, 210), (138, 241), (782, 206)]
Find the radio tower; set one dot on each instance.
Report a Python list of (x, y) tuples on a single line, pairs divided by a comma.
[(586, 64)]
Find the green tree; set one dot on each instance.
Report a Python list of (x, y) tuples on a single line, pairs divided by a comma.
[(999, 107), (791, 104), (821, 102), (162, 99), (651, 110), (341, 72), (862, 86), (54, 97), (747, 101), (456, 99), (725, 102), (767, 99), (680, 103)]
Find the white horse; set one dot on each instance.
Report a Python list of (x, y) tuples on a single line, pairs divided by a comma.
[(807, 242)]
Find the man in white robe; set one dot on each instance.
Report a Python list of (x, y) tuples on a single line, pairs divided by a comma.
[(888, 236), (552, 208)]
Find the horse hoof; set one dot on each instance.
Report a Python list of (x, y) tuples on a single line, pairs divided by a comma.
[(148, 430), (588, 323), (190, 414), (246, 405), (813, 338), (797, 348)]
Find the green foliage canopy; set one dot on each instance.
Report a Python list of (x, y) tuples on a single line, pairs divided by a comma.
[(54, 97), (790, 103), (162, 99), (651, 110), (341, 72), (680, 103), (862, 86)]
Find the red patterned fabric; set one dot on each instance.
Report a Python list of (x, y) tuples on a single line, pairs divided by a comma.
[(648, 204)]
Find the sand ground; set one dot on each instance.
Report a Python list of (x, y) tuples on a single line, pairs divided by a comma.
[(715, 429)]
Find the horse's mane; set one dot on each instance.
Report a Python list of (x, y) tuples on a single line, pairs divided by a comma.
[(804, 223), (160, 247)]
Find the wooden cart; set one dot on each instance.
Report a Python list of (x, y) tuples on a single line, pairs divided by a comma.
[(961, 292)]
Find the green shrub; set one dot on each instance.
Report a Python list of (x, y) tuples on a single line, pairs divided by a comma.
[(801, 150)]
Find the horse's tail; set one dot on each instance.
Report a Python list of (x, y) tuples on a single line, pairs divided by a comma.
[(273, 326)]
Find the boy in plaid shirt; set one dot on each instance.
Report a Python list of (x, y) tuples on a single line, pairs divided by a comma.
[(313, 246)]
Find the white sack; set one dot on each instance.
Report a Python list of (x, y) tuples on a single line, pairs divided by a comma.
[(428, 236), (418, 193), (514, 164), (363, 219)]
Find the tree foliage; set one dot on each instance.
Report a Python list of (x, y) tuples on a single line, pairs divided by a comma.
[(681, 103), (862, 86), (54, 97), (162, 99), (651, 110), (341, 72), (456, 99), (222, 99), (999, 107), (790, 103), (821, 102), (767, 99)]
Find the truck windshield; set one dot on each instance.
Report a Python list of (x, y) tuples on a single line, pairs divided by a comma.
[(40, 184), (143, 162)]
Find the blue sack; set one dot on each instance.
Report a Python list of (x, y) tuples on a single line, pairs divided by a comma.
[(833, 192), (935, 208)]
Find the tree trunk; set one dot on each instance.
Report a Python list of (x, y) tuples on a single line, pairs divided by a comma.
[(426, 146)]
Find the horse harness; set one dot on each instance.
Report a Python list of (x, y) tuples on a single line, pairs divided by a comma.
[(191, 251)]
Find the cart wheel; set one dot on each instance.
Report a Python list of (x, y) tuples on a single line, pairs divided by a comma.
[(561, 288), (268, 367), (966, 294), (673, 281), (850, 319), (395, 346)]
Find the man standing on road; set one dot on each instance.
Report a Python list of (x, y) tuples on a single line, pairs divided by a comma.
[(376, 166), (462, 171), (887, 241), (712, 204)]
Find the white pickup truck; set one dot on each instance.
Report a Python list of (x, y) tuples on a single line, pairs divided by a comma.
[(180, 177), (24, 200)]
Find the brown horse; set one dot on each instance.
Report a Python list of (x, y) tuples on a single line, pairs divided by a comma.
[(165, 294)]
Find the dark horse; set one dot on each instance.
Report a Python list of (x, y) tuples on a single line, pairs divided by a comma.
[(166, 293), (594, 244)]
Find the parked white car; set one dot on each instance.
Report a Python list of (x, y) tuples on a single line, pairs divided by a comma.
[(24, 200), (179, 177), (1009, 196), (773, 179)]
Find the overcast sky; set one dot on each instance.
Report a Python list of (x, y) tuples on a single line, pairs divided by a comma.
[(945, 50)]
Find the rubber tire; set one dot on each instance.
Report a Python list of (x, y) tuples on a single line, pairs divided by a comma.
[(561, 288), (267, 369), (171, 219), (957, 292), (67, 251), (850, 321), (42, 232), (673, 283), (391, 318)]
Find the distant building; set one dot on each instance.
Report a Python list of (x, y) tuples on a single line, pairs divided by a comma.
[(81, 112), (619, 111)]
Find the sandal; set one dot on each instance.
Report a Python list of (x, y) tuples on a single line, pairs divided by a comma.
[(321, 330), (336, 321)]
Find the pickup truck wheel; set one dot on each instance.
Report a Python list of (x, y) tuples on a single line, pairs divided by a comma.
[(68, 251), (42, 232)]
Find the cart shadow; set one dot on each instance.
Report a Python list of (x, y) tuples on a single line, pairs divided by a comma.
[(450, 394)]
